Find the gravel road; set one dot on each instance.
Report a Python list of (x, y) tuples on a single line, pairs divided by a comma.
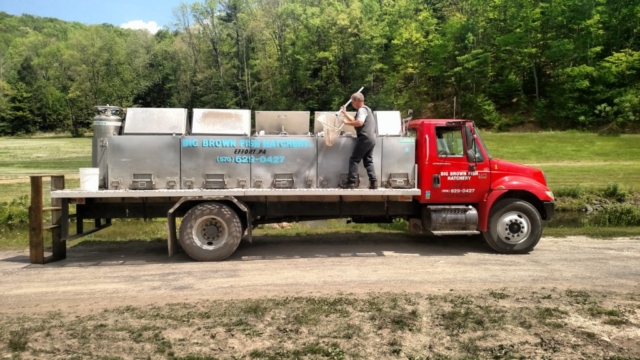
[(138, 273)]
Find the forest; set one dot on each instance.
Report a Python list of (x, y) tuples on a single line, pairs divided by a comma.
[(550, 64)]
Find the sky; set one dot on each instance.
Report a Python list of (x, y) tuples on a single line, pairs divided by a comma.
[(136, 14)]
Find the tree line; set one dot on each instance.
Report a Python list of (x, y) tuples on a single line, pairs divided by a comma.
[(556, 64)]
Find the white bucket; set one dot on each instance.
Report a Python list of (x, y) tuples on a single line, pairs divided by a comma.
[(89, 179)]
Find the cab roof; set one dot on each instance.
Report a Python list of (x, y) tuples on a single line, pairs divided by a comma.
[(417, 122)]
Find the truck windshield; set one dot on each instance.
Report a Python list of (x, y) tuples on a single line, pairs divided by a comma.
[(482, 143)]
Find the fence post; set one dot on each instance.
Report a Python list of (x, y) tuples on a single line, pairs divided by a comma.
[(36, 242)]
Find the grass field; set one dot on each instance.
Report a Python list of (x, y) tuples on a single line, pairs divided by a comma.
[(490, 324), (51, 155), (570, 159), (17, 238)]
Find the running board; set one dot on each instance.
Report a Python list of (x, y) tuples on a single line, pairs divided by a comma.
[(455, 232)]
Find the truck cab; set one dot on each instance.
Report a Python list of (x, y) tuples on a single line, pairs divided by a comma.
[(463, 190)]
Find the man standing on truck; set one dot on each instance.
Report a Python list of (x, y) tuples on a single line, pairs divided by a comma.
[(365, 125)]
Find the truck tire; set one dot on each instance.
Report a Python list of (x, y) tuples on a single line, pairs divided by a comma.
[(210, 232), (514, 227)]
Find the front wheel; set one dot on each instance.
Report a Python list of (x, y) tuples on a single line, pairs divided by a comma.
[(210, 232), (514, 227)]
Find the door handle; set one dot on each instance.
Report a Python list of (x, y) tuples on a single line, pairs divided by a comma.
[(436, 181)]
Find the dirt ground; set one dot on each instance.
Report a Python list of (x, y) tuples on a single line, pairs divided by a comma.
[(327, 297), (140, 273)]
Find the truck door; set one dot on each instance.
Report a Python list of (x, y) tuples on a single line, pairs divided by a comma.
[(455, 174)]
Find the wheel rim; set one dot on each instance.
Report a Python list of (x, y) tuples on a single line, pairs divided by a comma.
[(514, 227), (210, 232)]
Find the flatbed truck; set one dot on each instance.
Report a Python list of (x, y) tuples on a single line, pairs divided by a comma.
[(222, 182)]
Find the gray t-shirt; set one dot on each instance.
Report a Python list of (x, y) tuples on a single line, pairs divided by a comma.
[(361, 115), (368, 128)]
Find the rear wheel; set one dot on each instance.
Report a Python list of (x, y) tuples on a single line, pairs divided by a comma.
[(210, 232), (514, 227)]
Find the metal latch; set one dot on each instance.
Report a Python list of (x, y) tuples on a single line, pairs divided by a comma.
[(344, 177), (215, 181), (324, 183), (399, 181), (104, 142), (172, 183), (143, 182), (257, 183), (283, 181), (242, 183), (115, 183), (188, 182), (309, 183)]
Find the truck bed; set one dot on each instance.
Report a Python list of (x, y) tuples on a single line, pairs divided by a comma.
[(79, 194)]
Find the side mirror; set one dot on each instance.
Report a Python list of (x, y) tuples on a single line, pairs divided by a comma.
[(474, 156), (469, 137)]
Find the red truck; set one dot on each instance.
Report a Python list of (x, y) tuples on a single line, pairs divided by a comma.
[(511, 200), (439, 177)]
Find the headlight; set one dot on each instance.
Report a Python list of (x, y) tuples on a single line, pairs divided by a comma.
[(550, 194)]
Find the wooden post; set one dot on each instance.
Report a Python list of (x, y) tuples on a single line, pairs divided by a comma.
[(59, 247), (36, 244)]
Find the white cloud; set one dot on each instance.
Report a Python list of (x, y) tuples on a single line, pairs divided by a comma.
[(150, 26)]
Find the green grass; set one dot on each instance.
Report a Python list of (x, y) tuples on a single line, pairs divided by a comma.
[(572, 158), (578, 165), (568, 158), (592, 176), (16, 188), (30, 156), (331, 226), (453, 325), (556, 147), (17, 237)]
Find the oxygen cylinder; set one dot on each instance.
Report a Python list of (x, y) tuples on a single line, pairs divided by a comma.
[(106, 123)]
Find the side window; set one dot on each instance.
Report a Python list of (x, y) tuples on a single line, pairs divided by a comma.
[(473, 151), (449, 141), (475, 154)]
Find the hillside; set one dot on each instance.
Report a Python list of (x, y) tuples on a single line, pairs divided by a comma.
[(553, 65)]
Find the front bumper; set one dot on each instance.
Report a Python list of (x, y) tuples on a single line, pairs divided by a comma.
[(549, 210)]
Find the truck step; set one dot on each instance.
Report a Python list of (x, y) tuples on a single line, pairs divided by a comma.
[(455, 232)]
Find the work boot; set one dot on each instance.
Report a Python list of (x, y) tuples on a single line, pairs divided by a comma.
[(348, 185), (373, 185)]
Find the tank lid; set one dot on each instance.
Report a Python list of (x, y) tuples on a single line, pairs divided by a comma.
[(221, 122), (389, 123), (147, 121), (278, 122)]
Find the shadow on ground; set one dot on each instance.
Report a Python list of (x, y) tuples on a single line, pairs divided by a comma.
[(139, 252)]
